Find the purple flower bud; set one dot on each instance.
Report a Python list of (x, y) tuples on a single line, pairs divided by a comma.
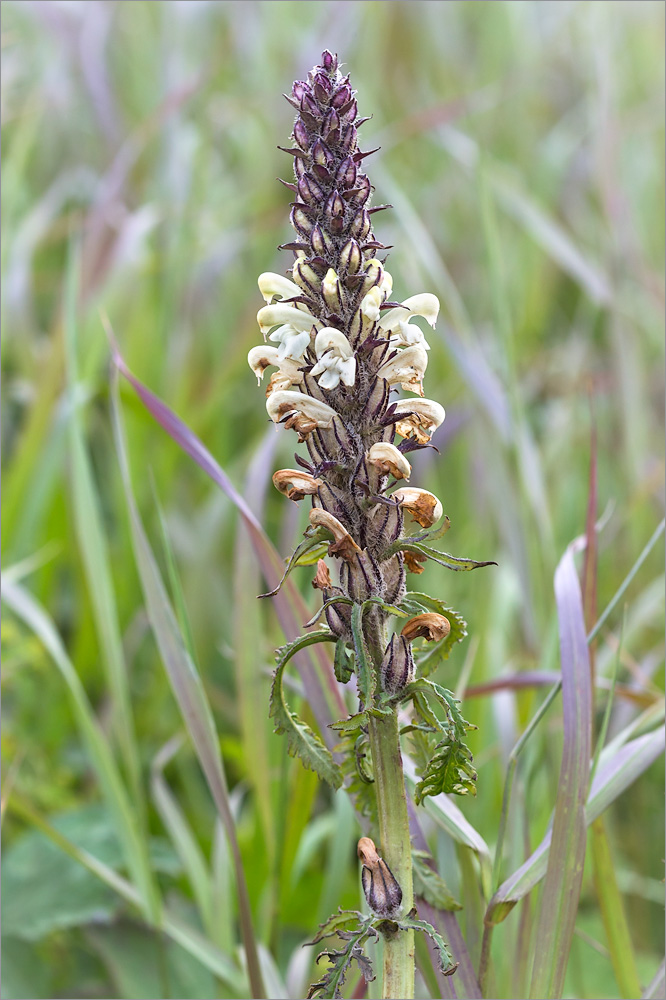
[(350, 257), (329, 61), (300, 221), (360, 226), (348, 140), (301, 134), (300, 89), (335, 206), (322, 173), (341, 96), (309, 190), (362, 192), (397, 669), (321, 154), (310, 105), (321, 241), (349, 110), (346, 173), (322, 81), (330, 124)]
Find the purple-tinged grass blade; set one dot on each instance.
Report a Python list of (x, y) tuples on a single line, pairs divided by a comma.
[(613, 777), (564, 875), (314, 666)]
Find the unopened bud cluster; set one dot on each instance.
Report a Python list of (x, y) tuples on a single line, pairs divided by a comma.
[(339, 348)]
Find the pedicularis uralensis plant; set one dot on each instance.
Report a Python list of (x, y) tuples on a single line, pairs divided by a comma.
[(341, 348)]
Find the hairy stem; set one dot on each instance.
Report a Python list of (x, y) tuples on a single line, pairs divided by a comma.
[(398, 981)]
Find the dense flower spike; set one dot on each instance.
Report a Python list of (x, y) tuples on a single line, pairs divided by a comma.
[(342, 349)]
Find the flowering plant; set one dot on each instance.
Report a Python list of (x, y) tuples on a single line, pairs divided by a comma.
[(340, 346)]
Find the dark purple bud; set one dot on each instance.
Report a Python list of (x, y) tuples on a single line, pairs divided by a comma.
[(397, 669), (300, 221), (321, 172), (306, 277), (360, 226), (348, 139), (350, 109), (350, 257), (346, 173), (300, 89), (324, 83), (363, 189), (393, 570), (309, 190), (330, 124), (335, 206), (310, 105), (341, 96), (321, 154), (321, 241), (329, 61), (300, 167), (301, 134)]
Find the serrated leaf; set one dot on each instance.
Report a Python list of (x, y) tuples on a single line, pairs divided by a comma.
[(301, 740), (429, 884), (331, 983), (450, 771), (446, 964), (351, 725)]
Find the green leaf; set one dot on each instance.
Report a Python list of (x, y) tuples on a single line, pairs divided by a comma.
[(340, 599), (450, 767), (351, 725), (343, 662), (365, 672), (300, 553), (301, 740), (429, 884), (411, 922), (353, 929)]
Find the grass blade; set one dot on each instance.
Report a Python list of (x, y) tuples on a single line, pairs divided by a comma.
[(315, 668), (189, 694), (125, 816), (564, 875)]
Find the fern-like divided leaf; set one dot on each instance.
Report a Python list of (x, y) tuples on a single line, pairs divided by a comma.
[(353, 929), (450, 768), (411, 922), (301, 740)]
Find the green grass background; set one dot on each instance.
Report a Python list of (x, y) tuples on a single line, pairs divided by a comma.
[(522, 151)]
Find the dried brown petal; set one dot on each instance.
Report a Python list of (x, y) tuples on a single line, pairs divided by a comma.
[(295, 483), (413, 561), (431, 626), (388, 459), (322, 580), (343, 544), (422, 505)]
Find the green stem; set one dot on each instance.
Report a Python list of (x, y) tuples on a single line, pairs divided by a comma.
[(396, 849)]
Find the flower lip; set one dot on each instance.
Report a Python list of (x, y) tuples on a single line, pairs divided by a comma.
[(343, 544), (295, 483), (430, 625), (426, 305), (424, 507), (300, 411), (330, 339), (293, 343), (272, 284), (406, 368), (422, 417), (262, 357), (389, 459), (281, 313)]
